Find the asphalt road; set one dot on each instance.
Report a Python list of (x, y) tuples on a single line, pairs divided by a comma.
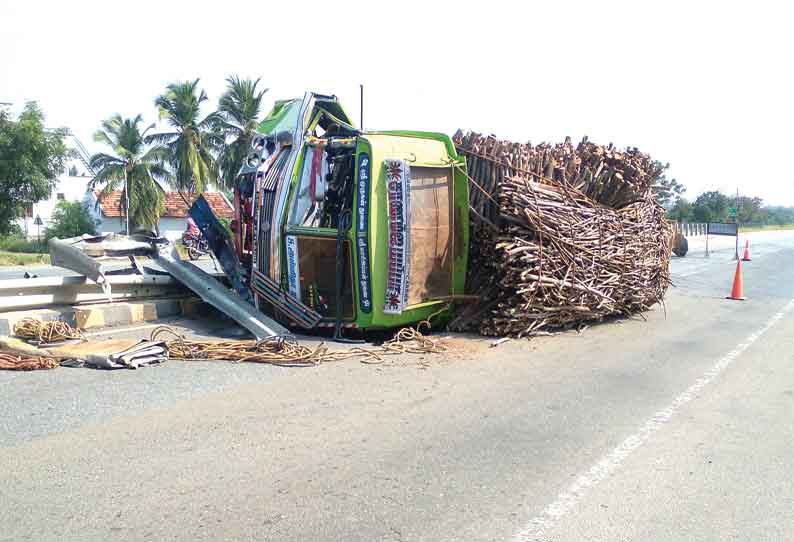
[(677, 427)]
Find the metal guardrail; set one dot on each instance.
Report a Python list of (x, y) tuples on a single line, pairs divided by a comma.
[(19, 294), (690, 229), (723, 228)]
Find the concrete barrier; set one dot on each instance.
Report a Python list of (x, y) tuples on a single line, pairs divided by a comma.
[(109, 314)]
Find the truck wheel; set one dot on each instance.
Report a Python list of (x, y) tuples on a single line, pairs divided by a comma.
[(680, 245)]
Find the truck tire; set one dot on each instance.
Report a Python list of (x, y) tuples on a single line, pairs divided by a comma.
[(680, 245)]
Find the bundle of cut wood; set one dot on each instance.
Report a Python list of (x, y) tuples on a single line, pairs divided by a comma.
[(561, 235)]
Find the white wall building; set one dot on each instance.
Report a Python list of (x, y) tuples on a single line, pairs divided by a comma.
[(109, 217), (107, 214), (67, 188)]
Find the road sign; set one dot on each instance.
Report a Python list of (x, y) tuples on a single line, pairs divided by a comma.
[(732, 211), (38, 221)]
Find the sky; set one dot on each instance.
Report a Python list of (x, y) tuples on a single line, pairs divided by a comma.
[(705, 86)]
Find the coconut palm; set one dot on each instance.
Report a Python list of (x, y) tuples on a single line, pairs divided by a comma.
[(238, 110), (192, 141), (134, 167)]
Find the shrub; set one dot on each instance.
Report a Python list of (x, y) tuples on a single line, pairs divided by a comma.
[(19, 244), (70, 219)]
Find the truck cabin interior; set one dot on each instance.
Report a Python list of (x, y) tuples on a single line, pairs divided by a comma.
[(316, 201), (322, 200)]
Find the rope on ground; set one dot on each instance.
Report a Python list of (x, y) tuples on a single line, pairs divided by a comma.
[(15, 362), (46, 332), (287, 352)]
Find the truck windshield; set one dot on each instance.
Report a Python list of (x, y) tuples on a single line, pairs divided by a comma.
[(308, 206), (325, 187), (431, 234)]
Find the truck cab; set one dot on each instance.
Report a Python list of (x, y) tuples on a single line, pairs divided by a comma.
[(370, 228)]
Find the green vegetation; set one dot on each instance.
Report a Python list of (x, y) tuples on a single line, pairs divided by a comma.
[(238, 112), (19, 244), (716, 207), (31, 158), (15, 258), (133, 167), (16, 250), (70, 219), (766, 227), (669, 190), (191, 147), (200, 149)]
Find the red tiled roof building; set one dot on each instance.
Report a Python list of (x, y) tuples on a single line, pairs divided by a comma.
[(175, 206)]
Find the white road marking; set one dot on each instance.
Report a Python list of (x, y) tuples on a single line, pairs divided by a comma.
[(691, 272), (566, 500)]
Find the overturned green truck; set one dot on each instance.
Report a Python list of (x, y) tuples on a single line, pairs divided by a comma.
[(339, 227)]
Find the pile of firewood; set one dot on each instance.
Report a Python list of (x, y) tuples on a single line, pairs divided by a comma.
[(561, 235)]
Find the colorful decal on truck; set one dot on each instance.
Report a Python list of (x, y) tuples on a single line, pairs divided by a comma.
[(362, 234), (398, 182), (293, 270)]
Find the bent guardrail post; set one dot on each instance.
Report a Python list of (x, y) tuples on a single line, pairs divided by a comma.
[(63, 253), (219, 296)]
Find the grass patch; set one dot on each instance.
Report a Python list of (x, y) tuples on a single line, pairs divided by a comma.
[(766, 227), (22, 258), (20, 244)]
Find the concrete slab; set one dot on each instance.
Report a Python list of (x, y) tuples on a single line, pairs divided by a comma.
[(110, 314)]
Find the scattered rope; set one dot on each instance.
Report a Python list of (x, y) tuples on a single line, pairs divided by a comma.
[(46, 332), (15, 362), (285, 351)]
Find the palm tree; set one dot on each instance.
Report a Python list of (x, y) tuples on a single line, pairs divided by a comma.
[(193, 140), (238, 109), (134, 167)]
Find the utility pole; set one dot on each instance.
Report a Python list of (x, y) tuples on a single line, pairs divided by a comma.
[(361, 109), (736, 219)]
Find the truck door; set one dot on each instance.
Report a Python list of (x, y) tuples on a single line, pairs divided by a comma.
[(323, 192)]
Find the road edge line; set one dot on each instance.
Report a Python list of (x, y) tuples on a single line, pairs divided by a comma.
[(569, 498)]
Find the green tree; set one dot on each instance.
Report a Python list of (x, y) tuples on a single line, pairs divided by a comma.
[(73, 171), (779, 215), (681, 211), (711, 207), (70, 219), (668, 191), (134, 168), (238, 111), (31, 158), (749, 210), (193, 140)]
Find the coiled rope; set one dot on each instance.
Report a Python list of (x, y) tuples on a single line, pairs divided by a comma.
[(45, 332), (15, 362), (287, 352)]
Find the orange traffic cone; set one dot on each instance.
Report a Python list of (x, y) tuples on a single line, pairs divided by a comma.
[(746, 257), (737, 293)]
